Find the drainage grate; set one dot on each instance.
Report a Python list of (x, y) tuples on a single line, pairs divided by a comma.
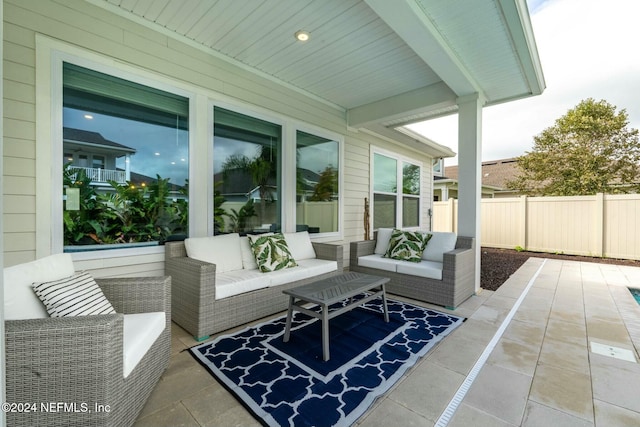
[(615, 352)]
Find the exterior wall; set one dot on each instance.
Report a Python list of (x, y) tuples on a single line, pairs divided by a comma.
[(600, 225), (82, 25)]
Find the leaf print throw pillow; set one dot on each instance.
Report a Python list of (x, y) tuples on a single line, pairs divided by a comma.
[(271, 252), (407, 245)]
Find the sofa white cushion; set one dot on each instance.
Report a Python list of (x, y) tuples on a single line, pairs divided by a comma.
[(306, 268), (300, 245), (382, 240), (248, 258), (140, 332), (76, 295), (378, 261), (222, 250), (428, 269), (239, 281), (20, 302), (439, 243), (288, 275)]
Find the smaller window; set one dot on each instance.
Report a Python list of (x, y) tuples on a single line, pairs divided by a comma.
[(410, 195), (317, 182), (396, 192), (98, 162), (246, 166)]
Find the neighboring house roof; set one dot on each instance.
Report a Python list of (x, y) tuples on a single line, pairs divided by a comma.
[(93, 139), (239, 182), (139, 179), (495, 173)]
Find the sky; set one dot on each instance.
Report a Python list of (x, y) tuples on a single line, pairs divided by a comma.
[(588, 49)]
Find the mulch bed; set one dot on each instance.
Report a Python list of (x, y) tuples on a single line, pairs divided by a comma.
[(499, 264)]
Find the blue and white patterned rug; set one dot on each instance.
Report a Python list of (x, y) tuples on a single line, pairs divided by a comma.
[(288, 384)]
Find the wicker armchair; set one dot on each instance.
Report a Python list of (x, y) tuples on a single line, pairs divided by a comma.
[(194, 303), (457, 284), (72, 367)]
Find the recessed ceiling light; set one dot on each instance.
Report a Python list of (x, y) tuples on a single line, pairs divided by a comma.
[(88, 116), (302, 35)]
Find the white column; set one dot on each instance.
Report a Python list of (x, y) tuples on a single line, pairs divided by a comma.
[(445, 193), (469, 171)]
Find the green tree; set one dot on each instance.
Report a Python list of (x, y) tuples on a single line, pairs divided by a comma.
[(589, 150), (327, 185), (82, 226), (261, 168)]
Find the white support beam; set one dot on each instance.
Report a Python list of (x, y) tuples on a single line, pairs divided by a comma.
[(413, 26), (470, 171), (434, 97)]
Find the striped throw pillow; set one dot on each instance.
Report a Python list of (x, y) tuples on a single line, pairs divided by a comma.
[(77, 295)]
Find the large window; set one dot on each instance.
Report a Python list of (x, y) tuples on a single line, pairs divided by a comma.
[(396, 191), (247, 173), (126, 150), (317, 192)]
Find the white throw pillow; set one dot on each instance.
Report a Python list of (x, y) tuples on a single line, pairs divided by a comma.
[(248, 258), (439, 243), (20, 302), (76, 295), (222, 250), (382, 240), (300, 245)]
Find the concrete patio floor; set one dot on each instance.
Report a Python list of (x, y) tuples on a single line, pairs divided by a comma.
[(541, 371)]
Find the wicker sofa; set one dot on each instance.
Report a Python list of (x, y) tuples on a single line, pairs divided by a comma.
[(445, 276), (203, 305), (77, 367)]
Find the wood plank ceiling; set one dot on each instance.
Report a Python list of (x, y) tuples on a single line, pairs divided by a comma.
[(389, 62)]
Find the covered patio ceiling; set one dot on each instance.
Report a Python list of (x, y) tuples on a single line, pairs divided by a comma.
[(385, 63)]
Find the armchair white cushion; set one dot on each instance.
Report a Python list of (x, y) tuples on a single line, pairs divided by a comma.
[(139, 333), (20, 302)]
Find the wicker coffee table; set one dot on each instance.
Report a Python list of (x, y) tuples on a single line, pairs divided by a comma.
[(330, 291)]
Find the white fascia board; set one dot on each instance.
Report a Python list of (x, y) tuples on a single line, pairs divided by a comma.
[(518, 21)]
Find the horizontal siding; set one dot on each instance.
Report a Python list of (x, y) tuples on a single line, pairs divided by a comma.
[(14, 147), (138, 265)]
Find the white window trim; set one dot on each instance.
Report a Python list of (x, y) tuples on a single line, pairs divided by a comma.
[(49, 147), (399, 195)]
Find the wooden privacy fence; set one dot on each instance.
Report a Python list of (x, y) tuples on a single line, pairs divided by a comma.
[(600, 225)]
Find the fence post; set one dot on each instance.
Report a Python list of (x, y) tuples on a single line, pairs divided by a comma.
[(522, 235), (598, 228), (450, 214)]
